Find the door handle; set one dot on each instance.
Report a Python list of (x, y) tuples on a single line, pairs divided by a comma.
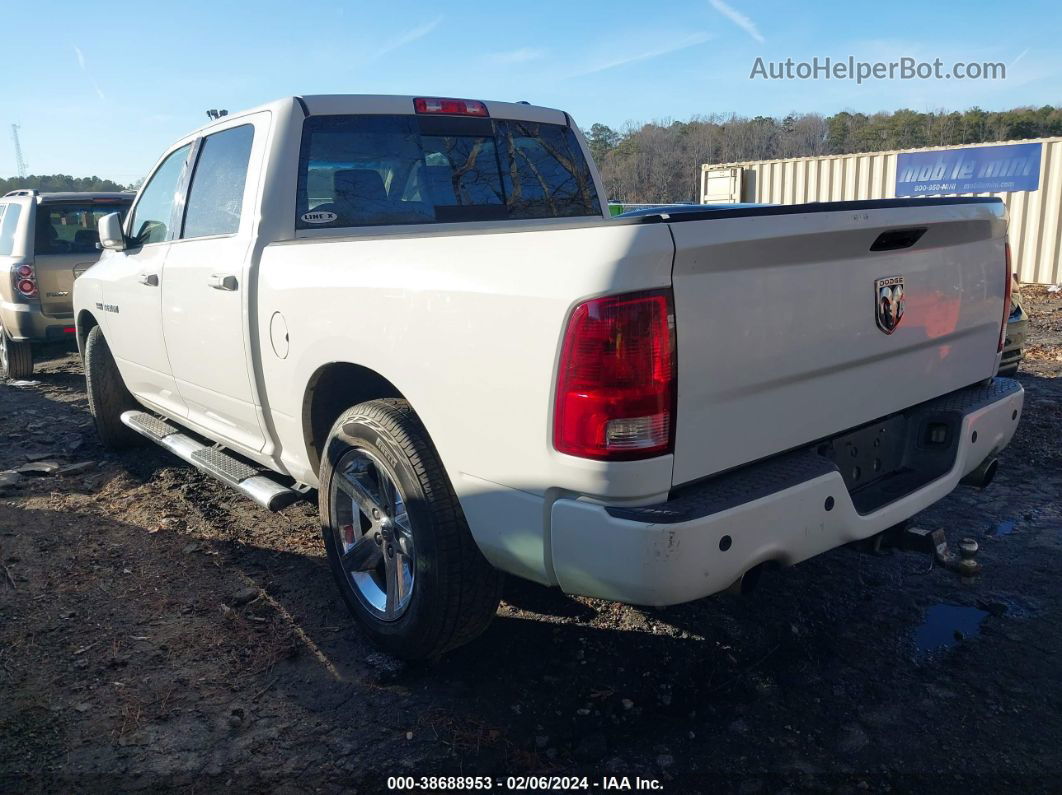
[(150, 279), (223, 281)]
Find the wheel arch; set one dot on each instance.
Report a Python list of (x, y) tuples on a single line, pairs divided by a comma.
[(331, 390), (84, 323)]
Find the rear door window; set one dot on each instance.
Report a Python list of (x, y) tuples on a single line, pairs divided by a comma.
[(70, 228), (215, 198), (7, 229), (380, 170)]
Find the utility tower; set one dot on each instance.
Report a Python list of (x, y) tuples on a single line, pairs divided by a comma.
[(20, 164)]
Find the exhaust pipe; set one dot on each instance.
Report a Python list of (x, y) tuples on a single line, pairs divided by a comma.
[(983, 475), (747, 582)]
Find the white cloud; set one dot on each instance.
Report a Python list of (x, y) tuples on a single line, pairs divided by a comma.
[(408, 37), (689, 41), (81, 63), (738, 19), (521, 55)]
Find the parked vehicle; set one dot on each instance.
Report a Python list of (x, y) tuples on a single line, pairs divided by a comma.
[(46, 240), (1017, 327), (421, 308)]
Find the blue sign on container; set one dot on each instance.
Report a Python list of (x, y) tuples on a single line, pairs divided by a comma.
[(977, 169)]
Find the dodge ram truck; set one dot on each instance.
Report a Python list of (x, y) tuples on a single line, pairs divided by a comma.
[(421, 308)]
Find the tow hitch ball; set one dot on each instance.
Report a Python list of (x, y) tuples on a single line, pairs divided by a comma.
[(934, 541)]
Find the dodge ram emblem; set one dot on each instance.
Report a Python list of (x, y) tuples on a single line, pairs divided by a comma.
[(889, 300)]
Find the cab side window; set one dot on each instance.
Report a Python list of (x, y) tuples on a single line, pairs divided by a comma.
[(215, 198), (153, 214)]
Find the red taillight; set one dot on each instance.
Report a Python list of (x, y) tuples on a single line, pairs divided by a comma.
[(25, 280), (1006, 297), (616, 380), (450, 107)]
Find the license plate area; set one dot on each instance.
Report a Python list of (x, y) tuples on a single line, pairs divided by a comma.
[(870, 453), (888, 459)]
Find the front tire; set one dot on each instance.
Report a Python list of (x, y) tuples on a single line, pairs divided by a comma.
[(107, 394), (397, 541), (16, 357)]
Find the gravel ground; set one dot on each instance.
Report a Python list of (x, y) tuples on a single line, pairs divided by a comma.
[(158, 631)]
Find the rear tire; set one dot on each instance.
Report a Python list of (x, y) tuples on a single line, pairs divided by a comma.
[(447, 592), (107, 394), (16, 358)]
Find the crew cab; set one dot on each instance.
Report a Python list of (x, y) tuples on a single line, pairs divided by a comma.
[(421, 308), (46, 240)]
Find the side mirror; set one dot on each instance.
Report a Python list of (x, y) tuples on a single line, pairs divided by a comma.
[(111, 235)]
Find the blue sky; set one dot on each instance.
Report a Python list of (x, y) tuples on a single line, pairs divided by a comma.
[(101, 88)]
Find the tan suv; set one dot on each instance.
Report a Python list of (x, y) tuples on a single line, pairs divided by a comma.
[(46, 240)]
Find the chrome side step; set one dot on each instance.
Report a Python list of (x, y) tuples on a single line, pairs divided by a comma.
[(213, 461)]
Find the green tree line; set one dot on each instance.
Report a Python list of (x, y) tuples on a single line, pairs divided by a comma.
[(660, 161), (58, 183)]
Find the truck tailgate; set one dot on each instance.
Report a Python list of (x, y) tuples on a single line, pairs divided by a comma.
[(778, 334)]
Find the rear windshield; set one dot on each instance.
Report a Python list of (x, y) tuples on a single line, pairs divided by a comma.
[(71, 228), (377, 170)]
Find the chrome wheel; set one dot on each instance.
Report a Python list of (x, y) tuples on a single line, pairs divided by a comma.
[(373, 534), (3, 350)]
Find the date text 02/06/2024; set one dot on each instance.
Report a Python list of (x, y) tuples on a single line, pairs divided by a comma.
[(522, 783)]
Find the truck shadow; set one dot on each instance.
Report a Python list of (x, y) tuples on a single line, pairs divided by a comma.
[(555, 683)]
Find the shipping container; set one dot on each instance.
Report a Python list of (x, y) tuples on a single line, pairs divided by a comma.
[(1035, 228)]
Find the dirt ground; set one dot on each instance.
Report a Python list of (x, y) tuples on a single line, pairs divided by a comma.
[(158, 631)]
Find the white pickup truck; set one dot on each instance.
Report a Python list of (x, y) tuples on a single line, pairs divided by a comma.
[(421, 308)]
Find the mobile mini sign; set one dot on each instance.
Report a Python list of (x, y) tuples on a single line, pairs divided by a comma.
[(978, 169)]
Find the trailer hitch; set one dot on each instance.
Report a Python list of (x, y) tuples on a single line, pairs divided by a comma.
[(935, 543)]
